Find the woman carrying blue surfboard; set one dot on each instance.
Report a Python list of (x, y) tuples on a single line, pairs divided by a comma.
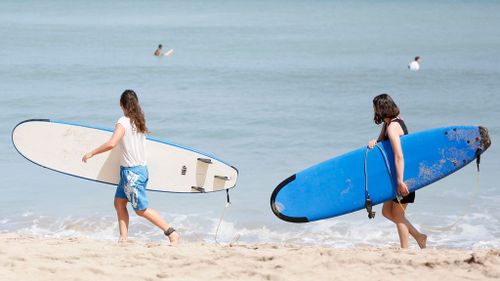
[(386, 112), (130, 133)]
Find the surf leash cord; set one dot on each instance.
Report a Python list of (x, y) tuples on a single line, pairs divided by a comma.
[(368, 199), (228, 203)]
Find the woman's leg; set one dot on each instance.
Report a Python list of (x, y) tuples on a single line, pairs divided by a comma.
[(155, 218), (387, 210), (391, 211), (123, 217), (400, 213), (419, 237)]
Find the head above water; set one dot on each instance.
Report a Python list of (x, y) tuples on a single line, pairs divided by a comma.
[(132, 109), (417, 59), (160, 46), (384, 107)]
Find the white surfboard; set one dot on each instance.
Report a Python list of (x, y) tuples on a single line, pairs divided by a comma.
[(168, 53), (59, 146)]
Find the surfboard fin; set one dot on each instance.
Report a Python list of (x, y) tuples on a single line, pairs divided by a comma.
[(205, 160), (224, 178), (200, 189)]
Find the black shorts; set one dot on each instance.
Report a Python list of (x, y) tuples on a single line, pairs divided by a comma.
[(410, 198)]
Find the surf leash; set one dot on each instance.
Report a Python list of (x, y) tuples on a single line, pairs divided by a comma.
[(460, 218), (228, 203), (368, 199)]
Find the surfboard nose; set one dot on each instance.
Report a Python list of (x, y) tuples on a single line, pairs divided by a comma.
[(485, 138)]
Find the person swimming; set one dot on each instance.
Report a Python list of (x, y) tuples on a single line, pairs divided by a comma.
[(415, 64), (158, 51)]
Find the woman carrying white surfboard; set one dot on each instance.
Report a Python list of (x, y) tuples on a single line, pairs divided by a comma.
[(130, 134), (387, 112)]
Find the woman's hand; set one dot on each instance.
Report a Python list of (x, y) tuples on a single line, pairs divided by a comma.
[(110, 144), (86, 157), (372, 143), (403, 189)]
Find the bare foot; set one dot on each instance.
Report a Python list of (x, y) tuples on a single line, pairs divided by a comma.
[(122, 239), (174, 238), (422, 241)]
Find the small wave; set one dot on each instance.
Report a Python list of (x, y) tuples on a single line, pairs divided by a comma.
[(341, 233)]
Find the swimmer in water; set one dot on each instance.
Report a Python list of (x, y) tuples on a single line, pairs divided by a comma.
[(414, 65), (158, 51)]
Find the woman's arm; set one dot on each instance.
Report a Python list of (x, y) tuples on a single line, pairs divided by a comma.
[(110, 144), (373, 142), (394, 132)]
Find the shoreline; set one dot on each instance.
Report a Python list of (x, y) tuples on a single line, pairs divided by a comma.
[(25, 257)]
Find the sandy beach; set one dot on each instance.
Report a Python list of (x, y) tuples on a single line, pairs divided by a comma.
[(281, 91), (34, 258)]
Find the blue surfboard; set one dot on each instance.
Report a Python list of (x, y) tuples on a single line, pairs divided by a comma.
[(338, 186)]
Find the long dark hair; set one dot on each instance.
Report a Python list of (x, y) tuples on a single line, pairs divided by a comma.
[(384, 107), (132, 109)]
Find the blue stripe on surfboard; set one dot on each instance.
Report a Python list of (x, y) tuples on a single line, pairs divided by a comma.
[(104, 129)]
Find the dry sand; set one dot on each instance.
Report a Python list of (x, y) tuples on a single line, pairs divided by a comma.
[(35, 258)]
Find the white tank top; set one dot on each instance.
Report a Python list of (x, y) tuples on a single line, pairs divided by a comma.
[(132, 145)]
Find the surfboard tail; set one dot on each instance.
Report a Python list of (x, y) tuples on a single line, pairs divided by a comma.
[(485, 139)]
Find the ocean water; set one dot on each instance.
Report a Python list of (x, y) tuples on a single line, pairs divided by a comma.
[(272, 87)]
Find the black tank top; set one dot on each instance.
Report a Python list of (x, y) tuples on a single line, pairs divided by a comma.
[(401, 123)]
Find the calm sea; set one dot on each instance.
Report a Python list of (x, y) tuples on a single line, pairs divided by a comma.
[(272, 87)]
